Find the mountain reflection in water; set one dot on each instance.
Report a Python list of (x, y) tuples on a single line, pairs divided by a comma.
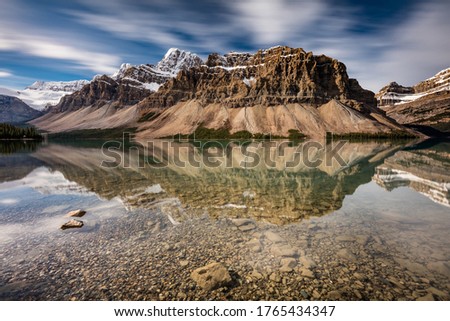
[(269, 191)]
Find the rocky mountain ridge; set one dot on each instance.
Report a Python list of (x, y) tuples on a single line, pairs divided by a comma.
[(129, 85), (425, 104)]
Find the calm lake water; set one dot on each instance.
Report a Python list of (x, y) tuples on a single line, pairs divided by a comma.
[(350, 221)]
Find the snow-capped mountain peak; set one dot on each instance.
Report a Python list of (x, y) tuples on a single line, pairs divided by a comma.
[(175, 60), (121, 72), (66, 86)]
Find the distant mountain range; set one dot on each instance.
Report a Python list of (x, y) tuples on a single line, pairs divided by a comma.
[(274, 91)]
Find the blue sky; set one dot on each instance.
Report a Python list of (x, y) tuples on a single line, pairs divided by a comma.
[(379, 41)]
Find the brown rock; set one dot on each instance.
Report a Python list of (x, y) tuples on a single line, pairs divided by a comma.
[(72, 224), (211, 276), (306, 272), (76, 213), (346, 254)]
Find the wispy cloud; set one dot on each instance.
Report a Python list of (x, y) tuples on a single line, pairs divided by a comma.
[(5, 73), (98, 35), (273, 21), (17, 35)]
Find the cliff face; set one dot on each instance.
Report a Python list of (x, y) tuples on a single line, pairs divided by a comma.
[(271, 77), (425, 104), (14, 110)]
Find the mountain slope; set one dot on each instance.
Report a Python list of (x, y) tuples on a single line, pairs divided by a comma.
[(425, 104), (14, 110)]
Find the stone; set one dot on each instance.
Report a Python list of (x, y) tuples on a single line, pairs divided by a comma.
[(273, 237), (211, 276), (275, 277), (246, 228), (439, 267), (283, 251), (345, 238), (289, 262), (241, 221), (244, 224), (346, 254), (304, 294), (76, 213), (412, 266), (255, 274), (307, 262), (255, 245), (437, 292), (306, 273), (184, 263), (428, 297), (334, 295), (72, 224), (362, 239)]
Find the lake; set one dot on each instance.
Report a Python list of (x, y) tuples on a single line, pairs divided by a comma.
[(289, 221)]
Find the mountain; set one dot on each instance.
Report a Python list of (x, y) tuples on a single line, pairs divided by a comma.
[(271, 91), (425, 104), (105, 101), (42, 94), (14, 110)]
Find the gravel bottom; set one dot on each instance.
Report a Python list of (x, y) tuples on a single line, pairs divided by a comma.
[(145, 256)]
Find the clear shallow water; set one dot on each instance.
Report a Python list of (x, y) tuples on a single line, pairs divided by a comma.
[(374, 227)]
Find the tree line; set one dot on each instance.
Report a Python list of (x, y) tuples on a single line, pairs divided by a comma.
[(8, 131)]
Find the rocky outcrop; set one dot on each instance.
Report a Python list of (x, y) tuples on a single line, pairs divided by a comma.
[(276, 76), (425, 104), (393, 94), (14, 110), (103, 90)]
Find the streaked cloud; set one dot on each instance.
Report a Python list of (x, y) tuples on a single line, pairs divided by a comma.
[(5, 73), (379, 42), (275, 21)]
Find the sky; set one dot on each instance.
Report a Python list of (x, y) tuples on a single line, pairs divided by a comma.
[(378, 40)]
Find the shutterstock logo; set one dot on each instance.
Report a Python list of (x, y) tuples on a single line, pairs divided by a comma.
[(276, 154)]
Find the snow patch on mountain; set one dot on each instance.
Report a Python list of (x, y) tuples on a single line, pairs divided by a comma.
[(151, 77), (176, 60), (44, 93), (438, 83)]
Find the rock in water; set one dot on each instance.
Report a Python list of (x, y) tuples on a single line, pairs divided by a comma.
[(72, 224), (211, 276), (76, 213)]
